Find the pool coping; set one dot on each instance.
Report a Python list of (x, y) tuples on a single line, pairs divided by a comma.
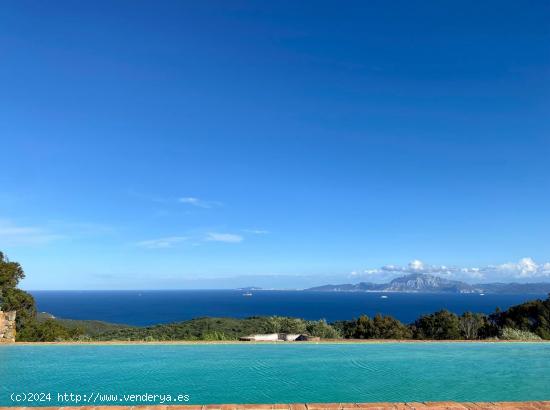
[(447, 405)]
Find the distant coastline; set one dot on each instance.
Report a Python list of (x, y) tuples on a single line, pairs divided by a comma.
[(411, 283), (424, 283)]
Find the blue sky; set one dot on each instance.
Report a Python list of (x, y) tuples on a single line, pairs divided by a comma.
[(195, 144)]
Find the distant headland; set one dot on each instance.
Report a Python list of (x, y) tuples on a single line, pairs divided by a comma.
[(425, 283)]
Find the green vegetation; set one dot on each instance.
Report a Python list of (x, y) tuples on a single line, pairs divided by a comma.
[(533, 316), (439, 325), (48, 331), (12, 298), (381, 327), (91, 328), (475, 326), (528, 321), (442, 325), (445, 325), (509, 333), (221, 329)]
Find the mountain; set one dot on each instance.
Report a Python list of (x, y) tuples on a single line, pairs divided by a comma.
[(417, 282), (423, 283)]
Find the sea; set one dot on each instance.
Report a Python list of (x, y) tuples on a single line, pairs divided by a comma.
[(143, 308)]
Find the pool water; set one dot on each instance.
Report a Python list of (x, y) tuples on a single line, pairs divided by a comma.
[(271, 373)]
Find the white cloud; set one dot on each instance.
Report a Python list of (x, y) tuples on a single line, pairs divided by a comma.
[(224, 237), (162, 243), (474, 273), (199, 203), (417, 266), (12, 234), (523, 270)]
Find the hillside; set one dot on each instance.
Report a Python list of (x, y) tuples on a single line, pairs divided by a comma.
[(528, 320)]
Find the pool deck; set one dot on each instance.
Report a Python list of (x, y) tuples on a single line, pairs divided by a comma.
[(447, 405)]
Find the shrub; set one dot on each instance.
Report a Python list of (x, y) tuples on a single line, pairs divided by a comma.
[(215, 336), (509, 333), (279, 324), (84, 338)]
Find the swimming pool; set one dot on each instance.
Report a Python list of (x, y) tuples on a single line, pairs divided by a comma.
[(271, 373)]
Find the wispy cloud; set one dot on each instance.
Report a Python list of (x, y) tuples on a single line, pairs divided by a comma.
[(224, 237), (199, 203), (162, 243), (256, 231), (187, 200), (192, 240), (14, 235)]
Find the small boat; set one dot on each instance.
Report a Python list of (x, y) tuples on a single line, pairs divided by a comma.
[(383, 297), (247, 294), (482, 294)]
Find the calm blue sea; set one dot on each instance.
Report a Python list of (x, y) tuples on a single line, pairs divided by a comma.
[(150, 307), (281, 373)]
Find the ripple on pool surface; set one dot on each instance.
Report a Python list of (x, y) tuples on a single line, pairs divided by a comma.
[(285, 373)]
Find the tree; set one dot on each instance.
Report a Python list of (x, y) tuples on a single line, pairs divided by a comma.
[(363, 328), (472, 324), (381, 327), (10, 274), (442, 325), (386, 327), (12, 298), (23, 303), (533, 316), (322, 329)]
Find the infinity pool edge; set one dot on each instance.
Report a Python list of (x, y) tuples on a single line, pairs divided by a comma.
[(447, 405)]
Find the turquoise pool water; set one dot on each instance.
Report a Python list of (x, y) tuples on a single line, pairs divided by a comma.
[(259, 373)]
